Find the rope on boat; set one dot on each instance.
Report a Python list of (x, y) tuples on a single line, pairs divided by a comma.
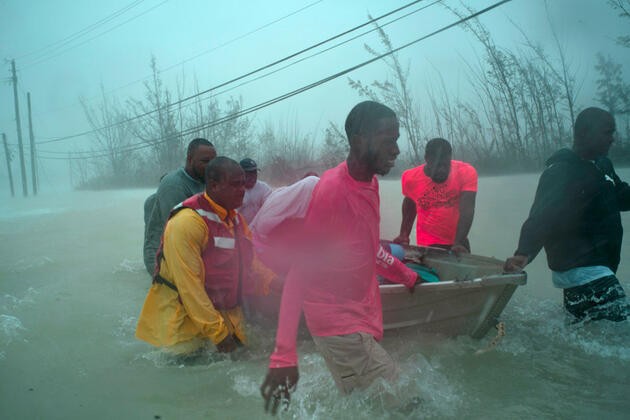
[(500, 334)]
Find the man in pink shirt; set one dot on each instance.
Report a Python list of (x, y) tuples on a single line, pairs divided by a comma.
[(442, 192), (333, 279)]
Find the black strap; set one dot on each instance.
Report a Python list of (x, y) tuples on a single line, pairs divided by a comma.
[(161, 280)]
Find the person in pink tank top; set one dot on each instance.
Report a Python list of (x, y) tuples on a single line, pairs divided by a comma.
[(442, 193), (333, 277)]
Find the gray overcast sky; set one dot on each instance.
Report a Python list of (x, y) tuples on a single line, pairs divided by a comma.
[(214, 42)]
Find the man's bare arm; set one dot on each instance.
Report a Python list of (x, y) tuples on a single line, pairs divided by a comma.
[(408, 217), (466, 215)]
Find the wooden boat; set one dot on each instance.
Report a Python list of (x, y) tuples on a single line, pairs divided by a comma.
[(472, 293), (468, 299)]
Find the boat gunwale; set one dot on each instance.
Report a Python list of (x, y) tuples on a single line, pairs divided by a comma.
[(493, 280)]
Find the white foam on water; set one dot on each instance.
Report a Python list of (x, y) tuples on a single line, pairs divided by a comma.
[(546, 323), (10, 303), (245, 385), (125, 330), (129, 266), (420, 392), (25, 264), (604, 339), (11, 327)]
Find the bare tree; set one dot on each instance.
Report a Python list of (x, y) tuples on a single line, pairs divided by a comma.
[(623, 7), (612, 92), (335, 147), (396, 94), (113, 138), (231, 134), (158, 127), (286, 152)]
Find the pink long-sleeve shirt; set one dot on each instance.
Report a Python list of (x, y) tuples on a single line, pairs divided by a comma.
[(333, 280)]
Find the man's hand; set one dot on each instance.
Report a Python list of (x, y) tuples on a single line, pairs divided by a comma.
[(412, 288), (277, 387), (515, 264), (228, 345), (401, 240)]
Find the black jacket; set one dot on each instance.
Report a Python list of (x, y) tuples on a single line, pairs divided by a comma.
[(576, 214)]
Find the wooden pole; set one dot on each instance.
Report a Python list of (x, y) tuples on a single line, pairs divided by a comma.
[(19, 130), (70, 168), (8, 156), (32, 139)]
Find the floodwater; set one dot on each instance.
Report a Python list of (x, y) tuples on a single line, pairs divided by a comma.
[(72, 284)]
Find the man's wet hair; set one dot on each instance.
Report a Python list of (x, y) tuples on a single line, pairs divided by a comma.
[(437, 148), (219, 167), (364, 117), (585, 122), (195, 143)]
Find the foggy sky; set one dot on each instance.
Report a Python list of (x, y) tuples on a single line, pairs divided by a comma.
[(205, 33)]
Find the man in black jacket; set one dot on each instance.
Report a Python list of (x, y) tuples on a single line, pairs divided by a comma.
[(576, 218)]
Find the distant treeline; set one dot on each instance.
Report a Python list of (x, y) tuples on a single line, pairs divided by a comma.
[(520, 109)]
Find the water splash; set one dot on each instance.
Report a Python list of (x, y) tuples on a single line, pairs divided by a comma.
[(129, 266), (543, 324), (125, 330), (10, 326), (10, 303), (25, 264)]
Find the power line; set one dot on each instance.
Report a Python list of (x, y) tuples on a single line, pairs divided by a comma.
[(84, 31), (253, 31), (231, 41), (234, 79), (322, 51), (138, 146), (307, 57), (44, 59)]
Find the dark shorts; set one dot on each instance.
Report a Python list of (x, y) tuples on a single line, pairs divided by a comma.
[(600, 299)]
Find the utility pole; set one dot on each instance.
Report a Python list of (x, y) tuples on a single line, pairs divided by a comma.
[(19, 129), (32, 138), (8, 156), (70, 167)]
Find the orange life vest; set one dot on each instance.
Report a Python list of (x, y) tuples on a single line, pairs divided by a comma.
[(227, 256)]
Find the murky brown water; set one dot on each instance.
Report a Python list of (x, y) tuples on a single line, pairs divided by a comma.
[(72, 283)]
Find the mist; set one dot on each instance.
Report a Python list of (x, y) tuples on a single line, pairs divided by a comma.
[(76, 57)]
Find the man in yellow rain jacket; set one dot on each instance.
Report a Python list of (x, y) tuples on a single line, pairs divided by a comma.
[(205, 265)]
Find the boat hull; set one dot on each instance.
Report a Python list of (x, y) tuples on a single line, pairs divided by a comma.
[(449, 308), (468, 301)]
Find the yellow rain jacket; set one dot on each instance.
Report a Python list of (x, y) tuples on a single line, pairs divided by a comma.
[(171, 317)]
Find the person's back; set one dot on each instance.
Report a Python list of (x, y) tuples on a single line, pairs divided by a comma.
[(148, 208), (174, 188)]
